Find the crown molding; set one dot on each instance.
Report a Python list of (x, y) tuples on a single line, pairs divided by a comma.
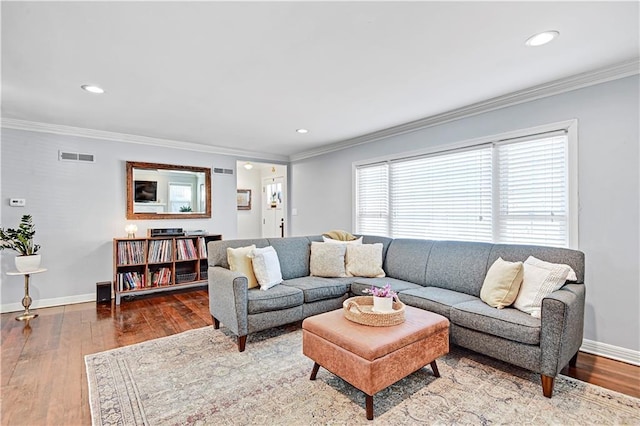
[(555, 87), (60, 129)]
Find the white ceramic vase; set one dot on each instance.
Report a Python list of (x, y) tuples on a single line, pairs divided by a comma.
[(28, 263), (382, 304)]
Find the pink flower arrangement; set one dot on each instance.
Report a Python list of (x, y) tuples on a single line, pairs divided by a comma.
[(380, 292)]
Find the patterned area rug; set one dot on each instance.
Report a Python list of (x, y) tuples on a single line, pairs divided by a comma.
[(199, 378)]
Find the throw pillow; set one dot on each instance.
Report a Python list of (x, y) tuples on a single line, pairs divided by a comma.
[(540, 280), (327, 260), (332, 241), (364, 260), (239, 261), (340, 235), (570, 277), (502, 283), (266, 266)]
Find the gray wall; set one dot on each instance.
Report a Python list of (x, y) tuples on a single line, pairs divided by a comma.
[(78, 208), (608, 161)]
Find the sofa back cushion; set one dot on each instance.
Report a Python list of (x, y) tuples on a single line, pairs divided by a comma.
[(520, 253), (217, 250), (458, 265), (406, 259), (294, 254)]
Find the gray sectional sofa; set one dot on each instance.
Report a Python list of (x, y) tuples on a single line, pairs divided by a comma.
[(440, 276)]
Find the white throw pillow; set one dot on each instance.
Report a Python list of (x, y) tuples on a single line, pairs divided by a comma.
[(327, 260), (266, 266), (240, 261), (332, 241), (540, 280), (365, 260), (570, 277), (502, 283)]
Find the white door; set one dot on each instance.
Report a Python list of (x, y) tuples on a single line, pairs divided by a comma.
[(273, 207)]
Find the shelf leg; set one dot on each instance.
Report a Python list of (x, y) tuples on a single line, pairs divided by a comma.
[(26, 302)]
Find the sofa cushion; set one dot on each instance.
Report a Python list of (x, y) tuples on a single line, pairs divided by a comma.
[(327, 260), (293, 253), (502, 283), (273, 299), (540, 280), (360, 284), (507, 323), (318, 288), (364, 260), (458, 265), (407, 259), (434, 299), (240, 261), (266, 267)]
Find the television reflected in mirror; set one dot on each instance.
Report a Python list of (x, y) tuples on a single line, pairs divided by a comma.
[(166, 191)]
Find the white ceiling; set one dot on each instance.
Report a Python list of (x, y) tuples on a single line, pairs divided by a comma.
[(245, 75)]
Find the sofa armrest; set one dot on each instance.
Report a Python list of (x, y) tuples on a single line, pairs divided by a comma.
[(562, 327), (228, 298)]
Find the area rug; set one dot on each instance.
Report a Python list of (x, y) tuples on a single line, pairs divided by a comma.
[(199, 378)]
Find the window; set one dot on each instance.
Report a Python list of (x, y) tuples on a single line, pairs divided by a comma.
[(180, 197), (507, 191)]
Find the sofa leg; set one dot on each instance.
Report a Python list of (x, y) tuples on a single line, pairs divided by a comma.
[(216, 323), (547, 385), (574, 360), (242, 342)]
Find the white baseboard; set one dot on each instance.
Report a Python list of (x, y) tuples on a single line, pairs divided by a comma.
[(47, 303), (609, 351)]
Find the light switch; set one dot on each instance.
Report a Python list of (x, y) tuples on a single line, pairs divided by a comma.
[(294, 212)]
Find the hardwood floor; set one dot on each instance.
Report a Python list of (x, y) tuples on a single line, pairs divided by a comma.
[(43, 378)]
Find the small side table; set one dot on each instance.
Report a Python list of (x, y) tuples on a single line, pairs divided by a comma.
[(26, 300)]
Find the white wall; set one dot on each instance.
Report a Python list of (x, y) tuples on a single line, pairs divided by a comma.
[(78, 208), (609, 190), (249, 221)]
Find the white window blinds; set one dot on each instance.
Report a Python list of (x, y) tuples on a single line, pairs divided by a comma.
[(512, 191), (443, 196), (533, 192), (372, 199)]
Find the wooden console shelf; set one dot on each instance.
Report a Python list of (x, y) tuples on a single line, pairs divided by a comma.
[(149, 265)]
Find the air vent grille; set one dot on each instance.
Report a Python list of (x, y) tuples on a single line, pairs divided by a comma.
[(75, 156), (221, 171)]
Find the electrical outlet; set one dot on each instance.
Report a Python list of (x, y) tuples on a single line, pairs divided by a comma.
[(17, 202)]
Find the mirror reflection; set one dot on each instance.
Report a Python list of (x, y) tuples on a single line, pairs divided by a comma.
[(158, 191)]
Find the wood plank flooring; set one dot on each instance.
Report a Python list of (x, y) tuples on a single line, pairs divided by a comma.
[(43, 379)]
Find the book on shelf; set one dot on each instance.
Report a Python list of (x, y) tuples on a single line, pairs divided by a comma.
[(131, 281), (130, 252), (159, 251), (161, 277), (186, 250), (202, 248)]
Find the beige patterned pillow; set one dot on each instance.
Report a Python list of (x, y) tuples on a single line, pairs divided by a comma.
[(502, 283), (327, 260), (540, 280), (240, 261), (365, 260)]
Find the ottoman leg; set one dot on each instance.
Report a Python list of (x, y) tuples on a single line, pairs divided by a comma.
[(316, 367), (369, 404), (434, 367)]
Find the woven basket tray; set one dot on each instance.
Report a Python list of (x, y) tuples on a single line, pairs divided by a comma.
[(359, 309)]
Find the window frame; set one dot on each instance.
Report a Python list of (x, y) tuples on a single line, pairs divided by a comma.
[(569, 127)]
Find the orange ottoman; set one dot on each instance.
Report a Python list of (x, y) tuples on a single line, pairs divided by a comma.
[(372, 358)]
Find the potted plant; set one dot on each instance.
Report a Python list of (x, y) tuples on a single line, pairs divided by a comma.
[(382, 298), (21, 240)]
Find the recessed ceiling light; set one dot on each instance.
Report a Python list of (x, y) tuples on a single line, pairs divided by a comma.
[(92, 88), (541, 38), (302, 131)]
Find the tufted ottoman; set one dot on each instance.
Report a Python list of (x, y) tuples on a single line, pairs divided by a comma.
[(372, 358)]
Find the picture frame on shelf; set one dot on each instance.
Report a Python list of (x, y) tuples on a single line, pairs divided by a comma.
[(244, 199)]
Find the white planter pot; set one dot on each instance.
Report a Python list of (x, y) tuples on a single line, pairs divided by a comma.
[(382, 304), (28, 263)]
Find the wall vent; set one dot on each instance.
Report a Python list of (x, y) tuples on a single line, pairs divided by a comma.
[(75, 156), (221, 171)]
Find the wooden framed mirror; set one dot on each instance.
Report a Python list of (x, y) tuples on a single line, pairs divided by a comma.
[(166, 191)]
